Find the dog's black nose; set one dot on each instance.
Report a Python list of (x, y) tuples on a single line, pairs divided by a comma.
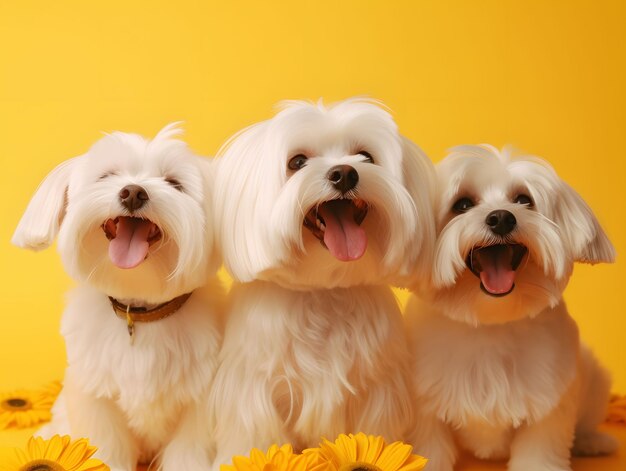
[(133, 197), (501, 221), (343, 177)]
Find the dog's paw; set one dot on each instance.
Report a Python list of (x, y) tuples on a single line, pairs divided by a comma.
[(594, 444)]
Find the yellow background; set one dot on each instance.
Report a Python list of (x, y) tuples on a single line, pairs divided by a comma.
[(547, 76)]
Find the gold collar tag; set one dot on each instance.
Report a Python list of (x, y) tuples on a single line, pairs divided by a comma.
[(130, 324), (140, 314)]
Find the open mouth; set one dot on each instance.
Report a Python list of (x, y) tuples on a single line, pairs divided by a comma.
[(130, 238), (496, 266), (337, 224)]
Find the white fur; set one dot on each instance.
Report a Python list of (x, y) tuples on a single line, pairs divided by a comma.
[(140, 401), (507, 377), (315, 346)]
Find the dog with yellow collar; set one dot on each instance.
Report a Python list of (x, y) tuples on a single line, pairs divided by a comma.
[(142, 329)]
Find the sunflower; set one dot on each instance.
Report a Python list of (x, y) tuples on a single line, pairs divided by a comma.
[(23, 409), (367, 453), (57, 454), (277, 459)]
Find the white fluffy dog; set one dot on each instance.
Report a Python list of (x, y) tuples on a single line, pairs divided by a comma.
[(315, 212), (499, 366), (142, 334)]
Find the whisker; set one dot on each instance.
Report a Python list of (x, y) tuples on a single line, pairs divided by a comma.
[(547, 219)]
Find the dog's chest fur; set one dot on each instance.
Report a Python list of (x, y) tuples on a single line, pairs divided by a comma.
[(321, 351), (168, 365), (502, 375)]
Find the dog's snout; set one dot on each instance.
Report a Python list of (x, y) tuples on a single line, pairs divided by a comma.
[(133, 197), (343, 177), (501, 221)]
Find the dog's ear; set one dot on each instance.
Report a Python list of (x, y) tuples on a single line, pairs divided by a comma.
[(420, 179), (586, 238), (41, 221), (241, 211)]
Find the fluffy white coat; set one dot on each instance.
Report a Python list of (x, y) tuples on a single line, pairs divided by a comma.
[(141, 401), (506, 377), (315, 346)]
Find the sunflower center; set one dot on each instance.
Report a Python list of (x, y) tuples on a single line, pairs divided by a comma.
[(359, 466), (42, 465), (16, 403)]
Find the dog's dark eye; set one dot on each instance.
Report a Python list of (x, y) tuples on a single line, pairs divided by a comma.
[(175, 183), (367, 155), (106, 175), (523, 199), (462, 205), (297, 162)]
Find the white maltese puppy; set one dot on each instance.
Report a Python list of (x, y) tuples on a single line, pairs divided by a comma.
[(315, 212), (499, 366), (134, 225)]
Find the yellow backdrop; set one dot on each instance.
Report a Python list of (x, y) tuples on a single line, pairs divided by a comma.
[(546, 76)]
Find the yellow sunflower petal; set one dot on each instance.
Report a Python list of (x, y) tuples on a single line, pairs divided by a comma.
[(242, 463), (414, 463), (21, 420), (277, 459), (347, 444), (36, 407), (323, 454), (314, 455), (324, 449), (5, 420), (317, 462), (258, 458), (61, 451), (55, 447), (321, 466), (332, 451), (36, 448), (287, 449), (362, 445), (298, 463), (94, 465), (375, 446), (272, 450), (75, 454), (280, 460), (394, 456)]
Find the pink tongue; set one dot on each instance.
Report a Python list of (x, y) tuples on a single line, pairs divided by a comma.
[(496, 276), (343, 237), (130, 245)]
